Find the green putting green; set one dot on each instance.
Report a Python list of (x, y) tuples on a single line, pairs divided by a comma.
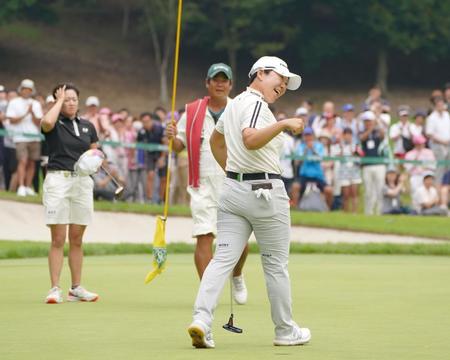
[(358, 307)]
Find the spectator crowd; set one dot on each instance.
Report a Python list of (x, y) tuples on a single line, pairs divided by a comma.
[(396, 160)]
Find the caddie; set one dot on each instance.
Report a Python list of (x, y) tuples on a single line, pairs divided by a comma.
[(247, 143), (206, 177)]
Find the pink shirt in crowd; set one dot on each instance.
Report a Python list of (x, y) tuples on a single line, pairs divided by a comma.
[(422, 154), (129, 137)]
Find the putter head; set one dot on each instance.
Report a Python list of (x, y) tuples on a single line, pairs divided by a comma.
[(119, 191), (230, 327)]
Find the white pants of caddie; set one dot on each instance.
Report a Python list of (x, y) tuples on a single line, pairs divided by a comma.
[(241, 212), (204, 203)]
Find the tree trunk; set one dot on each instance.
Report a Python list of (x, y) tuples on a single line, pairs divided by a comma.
[(125, 19), (163, 85), (382, 70), (232, 58)]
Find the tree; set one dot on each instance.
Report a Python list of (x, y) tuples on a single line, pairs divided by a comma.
[(160, 18), (256, 27), (408, 26), (29, 9), (404, 26)]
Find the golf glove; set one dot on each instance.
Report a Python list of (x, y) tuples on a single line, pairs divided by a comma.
[(265, 193)]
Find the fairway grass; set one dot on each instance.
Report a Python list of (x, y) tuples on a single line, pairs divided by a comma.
[(358, 307)]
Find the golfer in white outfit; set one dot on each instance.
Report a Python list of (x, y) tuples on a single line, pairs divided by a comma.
[(247, 143)]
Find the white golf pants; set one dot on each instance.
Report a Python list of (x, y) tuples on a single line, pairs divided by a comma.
[(240, 213)]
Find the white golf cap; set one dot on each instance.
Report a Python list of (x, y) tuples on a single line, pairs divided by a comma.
[(368, 115), (92, 101), (301, 111), (27, 84), (280, 67)]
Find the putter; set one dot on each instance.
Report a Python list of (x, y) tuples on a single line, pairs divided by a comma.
[(229, 325), (120, 188)]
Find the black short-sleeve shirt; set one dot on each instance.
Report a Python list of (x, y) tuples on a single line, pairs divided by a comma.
[(371, 146), (67, 141), (153, 136)]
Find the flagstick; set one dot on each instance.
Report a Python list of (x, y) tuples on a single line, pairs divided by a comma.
[(174, 94)]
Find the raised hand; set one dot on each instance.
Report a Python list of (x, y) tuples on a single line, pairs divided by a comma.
[(59, 94)]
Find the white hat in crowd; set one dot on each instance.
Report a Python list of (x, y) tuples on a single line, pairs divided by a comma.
[(428, 174), (280, 67), (49, 99), (301, 111), (27, 84), (403, 110), (92, 101), (368, 115)]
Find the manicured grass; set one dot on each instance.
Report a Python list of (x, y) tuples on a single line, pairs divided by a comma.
[(358, 307), (32, 249), (421, 226)]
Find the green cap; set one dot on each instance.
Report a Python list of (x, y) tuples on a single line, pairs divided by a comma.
[(215, 69)]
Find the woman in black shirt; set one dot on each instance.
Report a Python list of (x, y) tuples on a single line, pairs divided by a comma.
[(68, 197)]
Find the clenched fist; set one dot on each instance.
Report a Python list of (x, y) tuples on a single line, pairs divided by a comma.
[(295, 125)]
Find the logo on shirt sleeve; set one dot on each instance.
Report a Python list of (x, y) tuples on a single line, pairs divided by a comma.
[(85, 130)]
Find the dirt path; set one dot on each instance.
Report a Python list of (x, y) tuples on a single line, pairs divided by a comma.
[(21, 221)]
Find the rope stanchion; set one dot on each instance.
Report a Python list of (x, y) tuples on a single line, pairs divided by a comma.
[(344, 159)]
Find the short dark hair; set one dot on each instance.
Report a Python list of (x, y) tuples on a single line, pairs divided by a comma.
[(69, 86), (160, 108), (146, 113), (253, 77), (435, 99), (348, 130)]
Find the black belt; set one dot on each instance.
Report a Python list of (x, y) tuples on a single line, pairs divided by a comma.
[(252, 176)]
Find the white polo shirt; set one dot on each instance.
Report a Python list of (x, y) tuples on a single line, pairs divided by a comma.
[(249, 110), (208, 165), (423, 195), (400, 129), (438, 125), (18, 107)]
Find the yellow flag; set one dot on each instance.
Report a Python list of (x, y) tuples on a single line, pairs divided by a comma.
[(159, 250)]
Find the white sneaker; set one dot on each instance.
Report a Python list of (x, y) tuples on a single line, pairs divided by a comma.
[(54, 296), (239, 290), (22, 191), (29, 191), (201, 336), (81, 294), (299, 336)]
